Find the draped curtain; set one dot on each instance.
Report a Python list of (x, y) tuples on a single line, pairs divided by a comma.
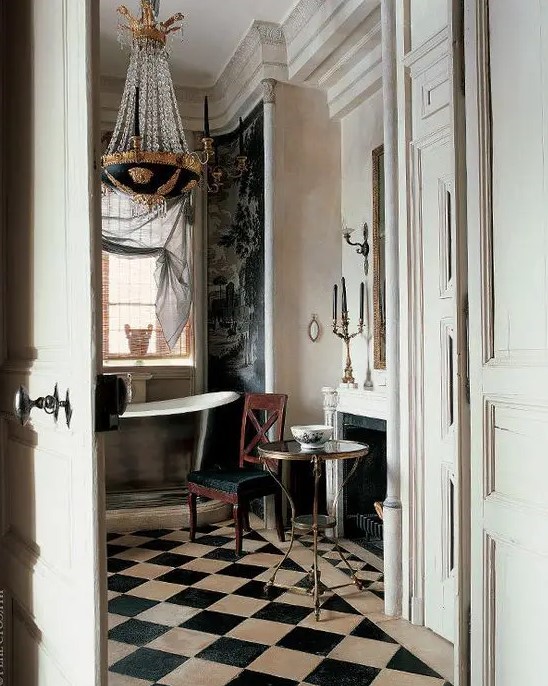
[(166, 237)]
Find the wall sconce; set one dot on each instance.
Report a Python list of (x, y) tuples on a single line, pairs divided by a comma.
[(216, 174), (361, 248)]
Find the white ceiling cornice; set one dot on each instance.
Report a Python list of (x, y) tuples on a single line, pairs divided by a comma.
[(299, 18), (327, 44)]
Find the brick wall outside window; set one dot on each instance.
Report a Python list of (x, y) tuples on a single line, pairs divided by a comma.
[(129, 295)]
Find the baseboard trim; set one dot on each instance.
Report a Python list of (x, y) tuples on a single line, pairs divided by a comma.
[(126, 520)]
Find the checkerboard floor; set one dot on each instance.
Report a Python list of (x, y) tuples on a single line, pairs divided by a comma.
[(195, 614)]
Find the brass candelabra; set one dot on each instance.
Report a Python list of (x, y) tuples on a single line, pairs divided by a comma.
[(342, 331)]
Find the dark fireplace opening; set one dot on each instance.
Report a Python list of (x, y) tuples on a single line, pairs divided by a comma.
[(367, 486)]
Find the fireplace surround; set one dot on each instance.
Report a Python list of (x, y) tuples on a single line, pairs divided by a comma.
[(360, 415)]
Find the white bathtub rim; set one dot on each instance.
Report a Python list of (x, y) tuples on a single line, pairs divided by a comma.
[(192, 403)]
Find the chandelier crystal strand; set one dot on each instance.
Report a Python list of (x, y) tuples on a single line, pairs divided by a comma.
[(156, 164)]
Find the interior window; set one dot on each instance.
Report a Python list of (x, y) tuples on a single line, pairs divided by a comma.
[(131, 330)]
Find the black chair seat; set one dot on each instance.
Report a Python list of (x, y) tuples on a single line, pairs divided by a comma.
[(233, 480)]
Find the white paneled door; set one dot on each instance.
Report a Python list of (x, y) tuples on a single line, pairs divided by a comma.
[(506, 50), (51, 545), (440, 392)]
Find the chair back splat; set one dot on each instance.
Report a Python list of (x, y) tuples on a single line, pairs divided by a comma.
[(256, 428)]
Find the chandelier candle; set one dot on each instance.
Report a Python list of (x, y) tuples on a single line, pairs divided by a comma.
[(206, 118), (341, 329)]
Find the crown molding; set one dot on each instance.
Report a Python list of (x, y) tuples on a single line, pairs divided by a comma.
[(299, 17), (347, 31)]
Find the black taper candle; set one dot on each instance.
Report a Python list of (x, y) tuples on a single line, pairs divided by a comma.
[(335, 295), (344, 305), (362, 292), (241, 137), (206, 118), (137, 124)]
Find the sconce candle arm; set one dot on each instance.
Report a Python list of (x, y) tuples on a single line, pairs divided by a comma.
[(361, 248)]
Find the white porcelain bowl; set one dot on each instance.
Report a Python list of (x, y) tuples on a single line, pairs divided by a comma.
[(312, 436)]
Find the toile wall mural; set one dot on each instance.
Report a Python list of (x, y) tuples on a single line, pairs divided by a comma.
[(236, 267)]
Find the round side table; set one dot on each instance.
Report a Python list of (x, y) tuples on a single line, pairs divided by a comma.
[(316, 522)]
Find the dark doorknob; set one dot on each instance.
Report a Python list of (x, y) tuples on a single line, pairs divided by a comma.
[(51, 404)]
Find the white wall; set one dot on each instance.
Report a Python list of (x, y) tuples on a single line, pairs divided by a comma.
[(307, 248), (362, 131)]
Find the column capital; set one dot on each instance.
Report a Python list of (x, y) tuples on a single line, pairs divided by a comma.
[(269, 90)]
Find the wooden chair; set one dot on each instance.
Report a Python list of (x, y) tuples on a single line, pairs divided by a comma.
[(241, 485)]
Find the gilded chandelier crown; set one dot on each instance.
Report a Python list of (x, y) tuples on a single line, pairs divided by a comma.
[(146, 27)]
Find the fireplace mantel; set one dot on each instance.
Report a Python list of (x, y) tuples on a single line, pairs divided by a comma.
[(366, 403)]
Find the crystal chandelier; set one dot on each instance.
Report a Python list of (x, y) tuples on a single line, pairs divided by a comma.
[(148, 157)]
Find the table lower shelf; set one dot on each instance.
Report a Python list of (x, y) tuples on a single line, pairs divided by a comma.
[(306, 522)]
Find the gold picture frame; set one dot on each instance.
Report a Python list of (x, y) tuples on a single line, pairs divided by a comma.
[(379, 261)]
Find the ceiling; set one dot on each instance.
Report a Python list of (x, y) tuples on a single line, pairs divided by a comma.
[(213, 31)]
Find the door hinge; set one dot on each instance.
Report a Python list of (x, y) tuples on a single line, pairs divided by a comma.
[(111, 398), (466, 321)]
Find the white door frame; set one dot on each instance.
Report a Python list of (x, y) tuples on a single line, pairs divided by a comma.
[(448, 42)]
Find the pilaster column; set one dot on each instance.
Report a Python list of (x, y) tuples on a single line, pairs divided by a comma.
[(269, 107), (269, 104), (392, 504)]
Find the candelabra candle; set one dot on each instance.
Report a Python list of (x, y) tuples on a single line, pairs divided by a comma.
[(361, 300), (335, 296), (344, 306), (342, 331)]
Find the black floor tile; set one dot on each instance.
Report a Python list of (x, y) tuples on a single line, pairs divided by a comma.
[(183, 577), (147, 664), (114, 564), (119, 583), (136, 633), (160, 544), (404, 661), (225, 554), (254, 536), (210, 622), (255, 589), (232, 651), (153, 533), (270, 549), (338, 604), (211, 539), (367, 629), (195, 597), (290, 565), (311, 640), (249, 678), (331, 672), (112, 535), (243, 571), (115, 549), (283, 612), (171, 559), (130, 606)]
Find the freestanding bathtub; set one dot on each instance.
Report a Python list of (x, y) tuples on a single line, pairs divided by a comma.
[(202, 403), (158, 443)]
